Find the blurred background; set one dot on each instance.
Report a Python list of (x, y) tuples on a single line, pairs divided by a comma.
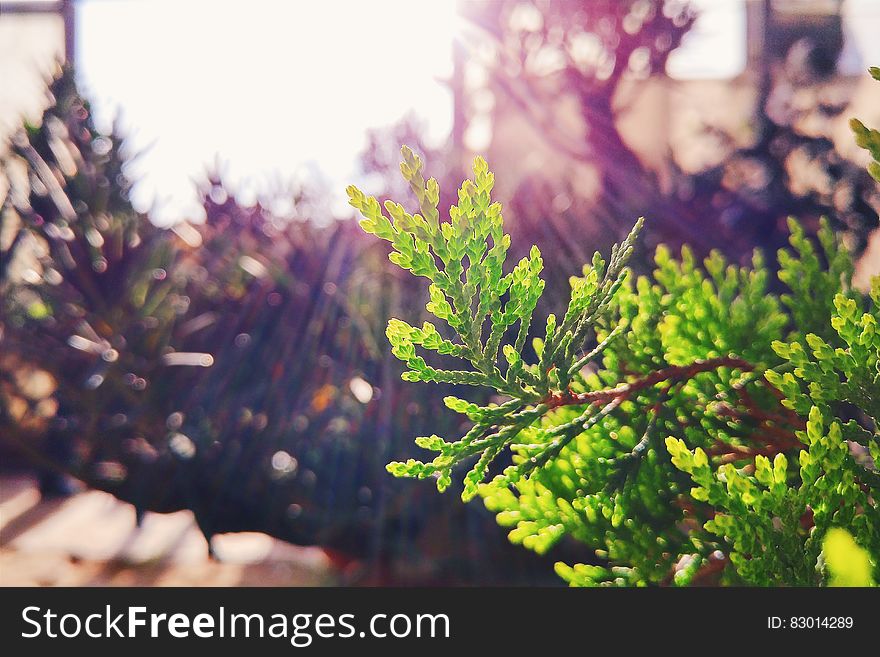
[(195, 386)]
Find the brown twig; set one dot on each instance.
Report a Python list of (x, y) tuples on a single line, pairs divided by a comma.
[(775, 432), (625, 391)]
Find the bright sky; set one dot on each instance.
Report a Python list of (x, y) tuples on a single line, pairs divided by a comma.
[(715, 47), (267, 87)]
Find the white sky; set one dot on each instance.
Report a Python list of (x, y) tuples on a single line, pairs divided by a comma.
[(715, 47), (265, 86)]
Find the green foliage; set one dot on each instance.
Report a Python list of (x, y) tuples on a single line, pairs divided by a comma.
[(869, 138), (464, 260), (628, 500), (702, 438)]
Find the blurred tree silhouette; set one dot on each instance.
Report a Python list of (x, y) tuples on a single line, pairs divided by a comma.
[(547, 51), (231, 368)]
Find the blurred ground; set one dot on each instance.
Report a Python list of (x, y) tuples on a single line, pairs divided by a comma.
[(90, 539)]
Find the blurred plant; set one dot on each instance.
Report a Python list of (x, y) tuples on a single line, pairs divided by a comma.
[(232, 368), (654, 448), (76, 244)]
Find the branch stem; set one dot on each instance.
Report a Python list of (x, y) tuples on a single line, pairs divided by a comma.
[(672, 373)]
